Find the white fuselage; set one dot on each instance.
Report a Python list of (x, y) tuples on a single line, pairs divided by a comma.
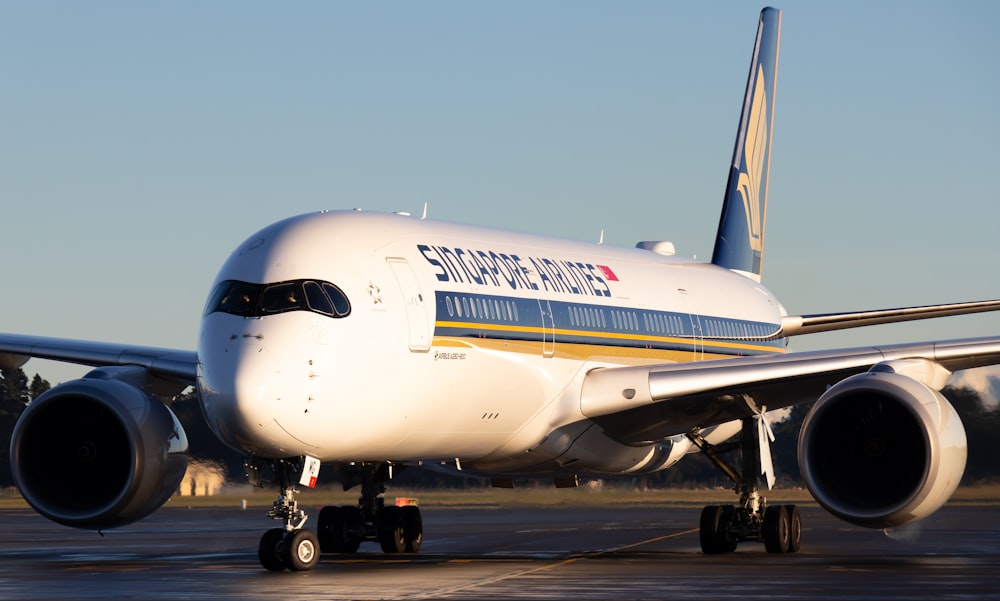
[(461, 342)]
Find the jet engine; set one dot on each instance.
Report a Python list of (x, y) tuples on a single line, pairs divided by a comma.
[(882, 449), (97, 453)]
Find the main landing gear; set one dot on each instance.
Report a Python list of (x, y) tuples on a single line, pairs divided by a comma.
[(340, 529), (723, 527)]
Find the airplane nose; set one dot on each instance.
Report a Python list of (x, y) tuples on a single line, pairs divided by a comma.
[(239, 384), (229, 394)]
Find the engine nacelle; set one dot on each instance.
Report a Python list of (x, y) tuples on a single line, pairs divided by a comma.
[(97, 453), (881, 449)]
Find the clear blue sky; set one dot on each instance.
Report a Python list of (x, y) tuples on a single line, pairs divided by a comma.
[(140, 142)]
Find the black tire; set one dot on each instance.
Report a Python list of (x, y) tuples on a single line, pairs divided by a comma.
[(715, 538), (390, 531), (794, 529), (270, 550), (301, 550), (329, 529), (353, 532), (726, 537), (413, 528), (340, 529), (775, 529)]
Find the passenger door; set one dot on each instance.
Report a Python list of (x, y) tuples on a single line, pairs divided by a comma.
[(413, 300)]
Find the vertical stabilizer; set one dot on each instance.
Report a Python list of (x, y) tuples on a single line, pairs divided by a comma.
[(739, 244)]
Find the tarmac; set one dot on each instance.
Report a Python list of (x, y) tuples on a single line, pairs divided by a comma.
[(518, 553)]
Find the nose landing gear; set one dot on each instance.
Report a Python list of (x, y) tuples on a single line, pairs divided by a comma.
[(341, 529), (291, 547)]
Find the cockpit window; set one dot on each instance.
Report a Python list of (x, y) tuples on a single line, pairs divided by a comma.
[(256, 300), (238, 298), (279, 298), (317, 299), (340, 303)]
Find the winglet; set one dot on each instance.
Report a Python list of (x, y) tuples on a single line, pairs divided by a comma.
[(739, 244)]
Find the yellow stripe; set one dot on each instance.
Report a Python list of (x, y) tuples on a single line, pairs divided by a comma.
[(611, 335), (486, 326), (573, 558), (582, 352), (510, 346)]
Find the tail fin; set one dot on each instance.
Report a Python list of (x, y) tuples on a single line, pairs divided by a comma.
[(739, 244)]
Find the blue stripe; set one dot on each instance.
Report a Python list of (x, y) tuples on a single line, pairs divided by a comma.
[(580, 323)]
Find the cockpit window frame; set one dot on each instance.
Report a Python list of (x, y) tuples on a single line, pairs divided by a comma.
[(281, 298), (317, 299), (246, 299)]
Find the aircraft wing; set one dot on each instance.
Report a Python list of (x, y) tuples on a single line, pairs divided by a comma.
[(647, 403), (796, 325), (177, 365)]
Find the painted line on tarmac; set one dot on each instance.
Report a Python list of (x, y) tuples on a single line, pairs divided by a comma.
[(551, 566)]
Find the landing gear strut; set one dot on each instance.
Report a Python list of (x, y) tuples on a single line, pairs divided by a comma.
[(723, 527), (292, 546), (342, 529)]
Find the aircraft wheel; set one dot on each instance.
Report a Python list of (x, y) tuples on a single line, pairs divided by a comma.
[(301, 550), (794, 528), (340, 529), (270, 550), (353, 528), (727, 538), (329, 528), (413, 528), (390, 531), (713, 530), (775, 529)]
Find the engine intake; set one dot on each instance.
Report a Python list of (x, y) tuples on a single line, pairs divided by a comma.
[(881, 449), (97, 453)]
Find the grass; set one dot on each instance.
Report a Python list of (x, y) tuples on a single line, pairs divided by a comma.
[(493, 498)]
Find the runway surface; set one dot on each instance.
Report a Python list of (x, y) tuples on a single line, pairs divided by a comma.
[(592, 553)]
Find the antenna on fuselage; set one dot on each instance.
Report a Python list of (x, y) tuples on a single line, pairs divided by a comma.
[(424, 216), (601, 240)]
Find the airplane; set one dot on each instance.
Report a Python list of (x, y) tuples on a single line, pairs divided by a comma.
[(371, 342)]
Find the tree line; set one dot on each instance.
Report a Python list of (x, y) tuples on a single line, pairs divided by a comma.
[(981, 420)]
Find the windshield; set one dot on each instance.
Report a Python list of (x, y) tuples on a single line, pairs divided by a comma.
[(257, 300)]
